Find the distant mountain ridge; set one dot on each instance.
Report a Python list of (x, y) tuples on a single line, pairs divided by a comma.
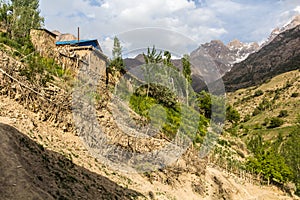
[(292, 24), (281, 54), (225, 56), (243, 64)]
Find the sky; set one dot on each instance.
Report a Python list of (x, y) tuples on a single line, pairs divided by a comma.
[(175, 25)]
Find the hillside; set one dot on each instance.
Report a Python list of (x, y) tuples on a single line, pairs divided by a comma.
[(49, 132), (31, 171), (270, 111), (66, 161), (73, 127)]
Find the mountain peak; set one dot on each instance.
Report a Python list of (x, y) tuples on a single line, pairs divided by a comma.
[(235, 44), (295, 21), (292, 24)]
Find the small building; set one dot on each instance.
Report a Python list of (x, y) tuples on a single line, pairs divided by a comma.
[(71, 53), (80, 43)]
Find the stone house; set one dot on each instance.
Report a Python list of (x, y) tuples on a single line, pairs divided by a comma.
[(70, 54)]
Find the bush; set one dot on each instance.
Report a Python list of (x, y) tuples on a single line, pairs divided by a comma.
[(275, 122), (264, 105), (283, 113), (256, 112), (295, 94), (247, 118), (266, 122), (258, 93), (232, 115), (271, 166), (42, 70)]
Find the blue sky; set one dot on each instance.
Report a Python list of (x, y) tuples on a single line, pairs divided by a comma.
[(198, 20)]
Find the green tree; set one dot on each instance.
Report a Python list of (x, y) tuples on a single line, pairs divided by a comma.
[(232, 115), (5, 16), (204, 104), (117, 62), (255, 144), (19, 16), (272, 167), (167, 60), (152, 57), (290, 151), (117, 49), (186, 70), (267, 161)]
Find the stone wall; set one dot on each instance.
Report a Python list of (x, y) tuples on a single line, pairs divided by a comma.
[(44, 42)]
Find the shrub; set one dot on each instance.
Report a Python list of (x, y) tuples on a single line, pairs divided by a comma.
[(275, 122), (256, 112), (295, 94), (232, 115), (283, 113), (264, 105), (258, 93), (257, 126), (266, 121), (247, 118)]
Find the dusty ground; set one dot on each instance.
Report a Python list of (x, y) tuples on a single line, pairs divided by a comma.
[(25, 174)]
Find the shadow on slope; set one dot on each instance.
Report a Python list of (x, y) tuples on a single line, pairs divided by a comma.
[(28, 171)]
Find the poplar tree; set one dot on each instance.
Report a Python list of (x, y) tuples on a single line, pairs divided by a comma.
[(19, 16)]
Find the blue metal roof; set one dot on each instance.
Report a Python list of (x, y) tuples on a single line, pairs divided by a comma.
[(93, 43)]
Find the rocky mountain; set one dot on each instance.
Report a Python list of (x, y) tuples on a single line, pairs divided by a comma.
[(280, 55), (292, 24), (134, 62), (223, 55), (64, 36), (226, 55)]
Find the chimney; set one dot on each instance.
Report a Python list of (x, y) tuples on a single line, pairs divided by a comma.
[(78, 31)]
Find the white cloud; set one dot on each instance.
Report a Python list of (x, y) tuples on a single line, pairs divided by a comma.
[(204, 21)]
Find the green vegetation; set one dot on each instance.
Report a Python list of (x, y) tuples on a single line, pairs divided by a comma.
[(270, 130), (161, 106), (283, 113), (42, 70), (275, 122), (267, 162), (117, 63), (232, 115), (17, 17), (295, 94), (186, 65), (290, 151), (258, 93), (152, 57)]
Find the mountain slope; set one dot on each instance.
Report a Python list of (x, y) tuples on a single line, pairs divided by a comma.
[(282, 54), (271, 111), (29, 171)]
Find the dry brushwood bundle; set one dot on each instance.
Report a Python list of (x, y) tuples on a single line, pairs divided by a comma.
[(49, 101)]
